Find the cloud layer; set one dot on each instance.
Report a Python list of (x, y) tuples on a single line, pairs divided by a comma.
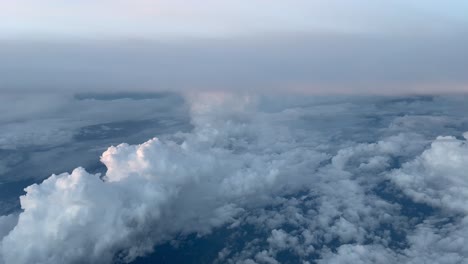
[(272, 63), (325, 47), (298, 173)]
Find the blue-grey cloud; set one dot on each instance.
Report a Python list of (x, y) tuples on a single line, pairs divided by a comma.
[(359, 64)]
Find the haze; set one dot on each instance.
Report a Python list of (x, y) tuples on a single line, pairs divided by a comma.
[(357, 47)]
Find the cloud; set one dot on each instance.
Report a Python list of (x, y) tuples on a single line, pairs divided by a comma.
[(299, 62), (343, 218), (302, 179), (156, 190), (439, 241), (7, 222), (357, 47), (438, 177), (360, 254)]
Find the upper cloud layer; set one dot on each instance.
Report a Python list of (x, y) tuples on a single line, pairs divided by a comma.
[(299, 62)]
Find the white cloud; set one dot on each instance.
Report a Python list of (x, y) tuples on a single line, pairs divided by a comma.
[(305, 177), (438, 177), (158, 189), (360, 254), (439, 241)]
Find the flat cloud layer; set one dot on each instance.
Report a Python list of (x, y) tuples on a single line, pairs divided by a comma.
[(308, 46), (298, 171), (271, 63)]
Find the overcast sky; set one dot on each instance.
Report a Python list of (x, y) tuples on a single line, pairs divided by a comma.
[(357, 46)]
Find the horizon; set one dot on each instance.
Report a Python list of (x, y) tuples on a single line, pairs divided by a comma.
[(233, 131), (309, 46)]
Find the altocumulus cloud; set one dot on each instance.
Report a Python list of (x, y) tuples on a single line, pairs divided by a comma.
[(314, 190)]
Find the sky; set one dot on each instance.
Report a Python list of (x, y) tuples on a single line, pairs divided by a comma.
[(163, 19), (359, 46), (131, 125)]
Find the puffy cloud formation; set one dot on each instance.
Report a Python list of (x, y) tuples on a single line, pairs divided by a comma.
[(156, 190), (344, 217), (439, 176), (360, 254), (291, 181)]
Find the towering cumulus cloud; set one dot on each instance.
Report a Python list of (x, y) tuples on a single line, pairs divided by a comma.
[(309, 178), (156, 190)]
